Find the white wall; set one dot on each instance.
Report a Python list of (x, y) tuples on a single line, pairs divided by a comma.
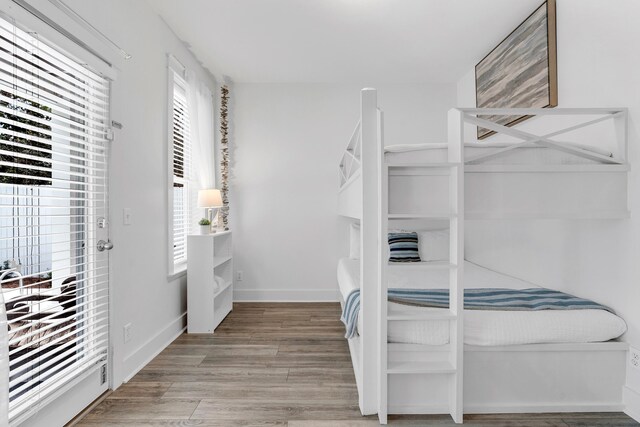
[(142, 294), (598, 63), (288, 140)]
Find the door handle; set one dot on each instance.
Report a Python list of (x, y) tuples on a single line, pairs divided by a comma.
[(102, 245)]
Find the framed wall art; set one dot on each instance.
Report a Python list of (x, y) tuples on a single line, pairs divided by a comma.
[(521, 71)]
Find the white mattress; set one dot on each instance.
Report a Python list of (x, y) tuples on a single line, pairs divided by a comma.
[(527, 153), (485, 327)]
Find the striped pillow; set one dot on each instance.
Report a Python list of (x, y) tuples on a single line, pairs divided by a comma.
[(403, 247)]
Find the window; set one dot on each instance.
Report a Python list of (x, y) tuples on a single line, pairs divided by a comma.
[(54, 115), (181, 171), (191, 147)]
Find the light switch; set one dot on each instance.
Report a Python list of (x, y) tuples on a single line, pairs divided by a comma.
[(126, 216)]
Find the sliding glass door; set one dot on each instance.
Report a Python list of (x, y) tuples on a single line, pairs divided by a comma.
[(54, 271)]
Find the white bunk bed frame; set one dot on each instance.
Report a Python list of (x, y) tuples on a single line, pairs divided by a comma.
[(456, 378)]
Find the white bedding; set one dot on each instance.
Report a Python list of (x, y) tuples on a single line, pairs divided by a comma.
[(527, 153), (485, 327)]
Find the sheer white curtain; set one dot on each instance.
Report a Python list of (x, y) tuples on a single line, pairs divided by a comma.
[(202, 131)]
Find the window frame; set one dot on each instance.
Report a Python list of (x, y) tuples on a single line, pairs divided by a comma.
[(176, 74)]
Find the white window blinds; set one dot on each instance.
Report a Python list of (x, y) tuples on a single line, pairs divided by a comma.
[(182, 171), (53, 189)]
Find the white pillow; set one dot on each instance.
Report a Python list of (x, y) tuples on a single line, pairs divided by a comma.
[(434, 245), (354, 241)]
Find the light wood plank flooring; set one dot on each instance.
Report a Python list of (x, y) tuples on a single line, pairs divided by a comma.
[(272, 364)]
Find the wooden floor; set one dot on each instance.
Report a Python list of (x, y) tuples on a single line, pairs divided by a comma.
[(272, 365)]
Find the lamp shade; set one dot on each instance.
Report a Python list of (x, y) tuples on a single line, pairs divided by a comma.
[(209, 198)]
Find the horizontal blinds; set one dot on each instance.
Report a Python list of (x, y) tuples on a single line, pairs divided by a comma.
[(181, 135), (53, 188), (181, 148)]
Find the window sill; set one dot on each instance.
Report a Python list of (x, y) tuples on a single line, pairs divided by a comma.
[(178, 272)]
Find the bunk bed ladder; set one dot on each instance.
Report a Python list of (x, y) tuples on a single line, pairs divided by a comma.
[(453, 365)]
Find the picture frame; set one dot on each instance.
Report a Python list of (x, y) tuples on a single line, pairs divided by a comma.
[(521, 71)]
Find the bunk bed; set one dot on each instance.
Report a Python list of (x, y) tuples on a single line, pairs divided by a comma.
[(420, 360)]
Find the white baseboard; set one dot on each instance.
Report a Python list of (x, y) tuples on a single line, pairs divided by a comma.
[(418, 409), (503, 409), (144, 354), (526, 408), (632, 403), (285, 295)]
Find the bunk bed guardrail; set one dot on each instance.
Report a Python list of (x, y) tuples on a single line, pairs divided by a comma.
[(494, 195), (350, 162), (475, 116)]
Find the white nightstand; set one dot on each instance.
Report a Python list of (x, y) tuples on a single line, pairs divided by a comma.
[(209, 256)]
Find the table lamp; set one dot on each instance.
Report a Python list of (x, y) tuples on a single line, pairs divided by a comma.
[(211, 200)]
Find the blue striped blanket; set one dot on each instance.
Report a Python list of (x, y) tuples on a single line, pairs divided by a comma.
[(474, 299)]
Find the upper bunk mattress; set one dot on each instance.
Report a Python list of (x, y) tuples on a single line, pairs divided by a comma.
[(484, 327), (525, 153)]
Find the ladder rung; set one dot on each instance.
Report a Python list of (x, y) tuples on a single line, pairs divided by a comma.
[(436, 215), (441, 367), (423, 165), (446, 315), (427, 265)]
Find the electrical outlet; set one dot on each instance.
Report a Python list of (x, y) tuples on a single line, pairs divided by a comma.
[(239, 275), (634, 358), (127, 332)]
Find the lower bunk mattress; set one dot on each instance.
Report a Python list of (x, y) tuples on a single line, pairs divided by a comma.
[(483, 327)]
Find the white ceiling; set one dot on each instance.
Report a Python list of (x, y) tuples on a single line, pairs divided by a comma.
[(342, 41)]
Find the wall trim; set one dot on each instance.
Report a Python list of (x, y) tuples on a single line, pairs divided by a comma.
[(506, 408), (144, 354), (418, 409), (286, 295), (538, 408), (631, 400)]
